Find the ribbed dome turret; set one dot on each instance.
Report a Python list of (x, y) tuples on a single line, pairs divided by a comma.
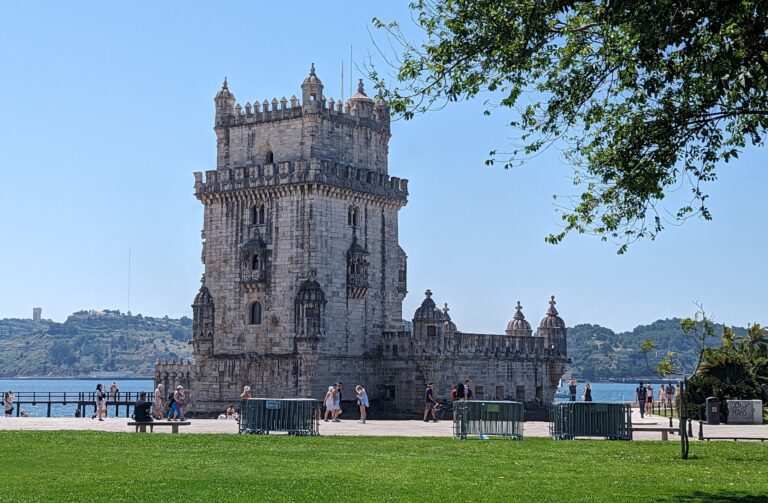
[(224, 92), (552, 320), (449, 325), (428, 311), (360, 94), (312, 78), (518, 323)]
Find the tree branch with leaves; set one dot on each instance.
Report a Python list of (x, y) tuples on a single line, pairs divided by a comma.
[(644, 97)]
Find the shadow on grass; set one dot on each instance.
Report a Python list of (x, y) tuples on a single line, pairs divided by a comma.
[(719, 497)]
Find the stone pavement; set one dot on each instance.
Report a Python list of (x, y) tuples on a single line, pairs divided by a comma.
[(350, 427)]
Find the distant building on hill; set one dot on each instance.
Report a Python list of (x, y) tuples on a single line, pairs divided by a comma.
[(37, 313), (305, 278)]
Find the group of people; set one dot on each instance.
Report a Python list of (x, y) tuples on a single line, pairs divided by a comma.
[(144, 411), (462, 391), (645, 398), (573, 386), (332, 402)]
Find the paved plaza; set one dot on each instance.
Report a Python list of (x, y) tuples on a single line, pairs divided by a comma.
[(350, 427)]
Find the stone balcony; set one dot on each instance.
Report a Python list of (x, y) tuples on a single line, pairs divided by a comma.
[(253, 279)]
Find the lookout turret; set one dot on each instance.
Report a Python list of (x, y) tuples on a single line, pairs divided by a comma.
[(312, 91)]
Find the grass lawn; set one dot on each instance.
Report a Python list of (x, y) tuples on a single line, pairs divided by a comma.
[(96, 466)]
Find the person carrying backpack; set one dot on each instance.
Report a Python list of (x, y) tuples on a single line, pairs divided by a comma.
[(642, 396)]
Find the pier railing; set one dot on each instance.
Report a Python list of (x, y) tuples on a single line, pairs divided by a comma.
[(81, 399)]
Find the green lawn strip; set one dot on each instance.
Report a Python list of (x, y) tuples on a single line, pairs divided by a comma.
[(95, 466)]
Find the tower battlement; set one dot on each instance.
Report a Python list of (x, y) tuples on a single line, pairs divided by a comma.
[(356, 132), (376, 118), (287, 173)]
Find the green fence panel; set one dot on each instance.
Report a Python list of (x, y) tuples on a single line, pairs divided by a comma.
[(486, 418), (568, 420), (298, 416)]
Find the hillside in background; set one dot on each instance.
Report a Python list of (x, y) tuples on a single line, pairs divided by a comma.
[(599, 353), (94, 343), (91, 343)]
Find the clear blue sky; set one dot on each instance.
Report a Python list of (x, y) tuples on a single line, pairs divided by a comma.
[(108, 109)]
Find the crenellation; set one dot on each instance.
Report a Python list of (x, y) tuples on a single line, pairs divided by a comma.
[(287, 173)]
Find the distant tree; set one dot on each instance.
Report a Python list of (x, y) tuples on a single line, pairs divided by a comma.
[(643, 97)]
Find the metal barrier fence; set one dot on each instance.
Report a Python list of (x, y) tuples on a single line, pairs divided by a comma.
[(568, 420), (298, 416), (485, 418)]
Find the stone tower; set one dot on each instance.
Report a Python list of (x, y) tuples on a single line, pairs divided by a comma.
[(304, 277), (303, 270)]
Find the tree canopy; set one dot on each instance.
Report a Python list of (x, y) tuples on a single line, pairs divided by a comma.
[(646, 97)]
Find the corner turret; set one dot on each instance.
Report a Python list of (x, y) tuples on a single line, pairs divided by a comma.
[(360, 104), (225, 103), (202, 323), (311, 91), (552, 328)]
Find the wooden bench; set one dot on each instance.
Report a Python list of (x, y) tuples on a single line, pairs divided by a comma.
[(665, 431), (736, 439), (142, 427)]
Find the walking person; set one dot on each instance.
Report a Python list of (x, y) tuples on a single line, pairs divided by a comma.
[(587, 392), (179, 397), (649, 399), (641, 395), (430, 402), (330, 403), (100, 396), (157, 402), (8, 403), (362, 402), (113, 390), (662, 396), (337, 402), (670, 395)]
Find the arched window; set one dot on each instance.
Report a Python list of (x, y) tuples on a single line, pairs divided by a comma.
[(353, 217), (255, 314), (257, 214), (270, 158), (255, 263)]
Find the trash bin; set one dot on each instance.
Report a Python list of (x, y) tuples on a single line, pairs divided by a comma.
[(713, 410)]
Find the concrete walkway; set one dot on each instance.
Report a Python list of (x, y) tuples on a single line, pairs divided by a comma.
[(350, 427)]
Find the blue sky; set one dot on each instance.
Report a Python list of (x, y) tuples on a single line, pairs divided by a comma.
[(108, 109)]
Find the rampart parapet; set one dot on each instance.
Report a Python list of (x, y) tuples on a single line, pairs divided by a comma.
[(287, 173), (405, 344)]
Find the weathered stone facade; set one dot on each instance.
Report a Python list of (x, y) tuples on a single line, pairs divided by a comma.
[(304, 277)]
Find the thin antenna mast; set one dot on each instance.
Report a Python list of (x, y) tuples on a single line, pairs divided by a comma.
[(129, 279)]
